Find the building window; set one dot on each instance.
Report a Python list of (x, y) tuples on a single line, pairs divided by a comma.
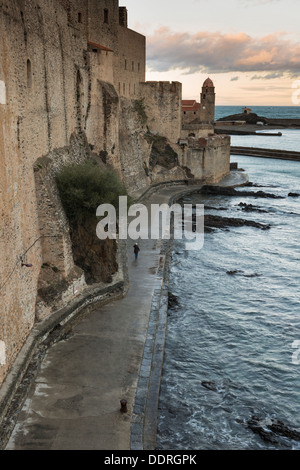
[(79, 17), (138, 66), (125, 64), (29, 74), (119, 87), (132, 66), (124, 88), (106, 15)]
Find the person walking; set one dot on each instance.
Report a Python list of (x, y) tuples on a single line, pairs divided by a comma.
[(136, 250)]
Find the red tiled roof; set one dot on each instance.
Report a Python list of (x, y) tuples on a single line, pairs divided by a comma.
[(194, 106), (188, 103), (98, 46)]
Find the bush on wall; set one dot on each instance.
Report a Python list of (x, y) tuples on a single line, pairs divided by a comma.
[(83, 187)]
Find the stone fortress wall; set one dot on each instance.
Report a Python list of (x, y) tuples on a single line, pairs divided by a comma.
[(40, 56), (71, 76), (163, 107)]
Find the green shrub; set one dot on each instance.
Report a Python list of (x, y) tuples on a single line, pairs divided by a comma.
[(83, 187)]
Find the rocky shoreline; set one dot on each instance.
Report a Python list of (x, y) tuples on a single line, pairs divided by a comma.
[(250, 124), (212, 222), (252, 119)]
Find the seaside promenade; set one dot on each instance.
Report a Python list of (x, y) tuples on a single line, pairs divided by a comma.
[(115, 352)]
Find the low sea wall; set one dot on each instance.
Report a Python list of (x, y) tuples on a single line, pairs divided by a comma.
[(265, 153)]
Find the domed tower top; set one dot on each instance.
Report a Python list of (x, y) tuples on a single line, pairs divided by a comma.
[(208, 83)]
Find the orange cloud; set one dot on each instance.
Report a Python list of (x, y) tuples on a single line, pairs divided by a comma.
[(217, 52)]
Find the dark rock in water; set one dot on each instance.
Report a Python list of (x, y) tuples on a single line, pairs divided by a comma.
[(266, 195), (208, 229), (212, 208), (265, 434), (210, 386), (251, 118), (282, 429), (270, 430), (294, 195), (238, 271), (172, 300), (250, 208), (252, 185), (220, 191), (232, 273), (252, 275), (224, 222)]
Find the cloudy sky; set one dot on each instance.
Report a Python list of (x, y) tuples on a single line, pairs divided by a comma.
[(249, 48)]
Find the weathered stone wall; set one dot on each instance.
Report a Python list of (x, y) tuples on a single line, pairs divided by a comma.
[(60, 102), (130, 63), (101, 63), (134, 147), (107, 26), (207, 158), (103, 29), (45, 69), (102, 127), (196, 130), (162, 102)]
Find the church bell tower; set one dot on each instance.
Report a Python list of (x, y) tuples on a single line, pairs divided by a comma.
[(207, 100)]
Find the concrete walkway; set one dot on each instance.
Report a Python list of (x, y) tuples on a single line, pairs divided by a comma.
[(74, 401)]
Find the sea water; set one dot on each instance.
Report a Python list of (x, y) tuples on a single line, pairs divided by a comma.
[(230, 346)]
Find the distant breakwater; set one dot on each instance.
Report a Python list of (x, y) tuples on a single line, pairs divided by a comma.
[(265, 153)]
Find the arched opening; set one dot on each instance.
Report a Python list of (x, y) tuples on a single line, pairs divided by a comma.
[(106, 15), (29, 74), (79, 99)]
